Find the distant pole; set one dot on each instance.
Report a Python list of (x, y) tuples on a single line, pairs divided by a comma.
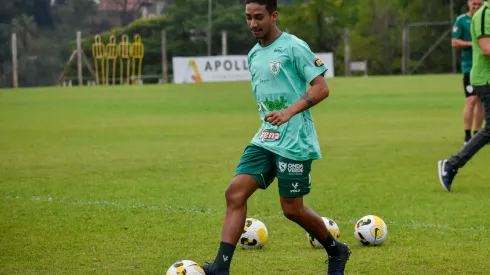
[(210, 13), (164, 57), (346, 53), (453, 50), (15, 79), (79, 58), (404, 50), (224, 43)]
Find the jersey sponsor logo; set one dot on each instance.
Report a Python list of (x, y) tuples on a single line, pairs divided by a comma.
[(263, 81), (469, 89), (295, 168), (275, 67), (273, 105), (318, 62), (292, 168), (278, 50), (295, 188), (269, 135)]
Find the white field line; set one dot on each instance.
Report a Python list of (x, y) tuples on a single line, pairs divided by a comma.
[(279, 215)]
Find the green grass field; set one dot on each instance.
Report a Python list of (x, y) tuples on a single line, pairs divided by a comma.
[(128, 180)]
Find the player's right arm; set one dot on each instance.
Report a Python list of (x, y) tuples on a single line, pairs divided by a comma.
[(457, 35), (460, 44)]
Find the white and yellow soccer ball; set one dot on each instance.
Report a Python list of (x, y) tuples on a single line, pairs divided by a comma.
[(370, 230), (185, 267), (254, 234), (331, 226)]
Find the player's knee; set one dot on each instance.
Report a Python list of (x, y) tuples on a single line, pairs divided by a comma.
[(233, 196), (471, 100), (236, 195)]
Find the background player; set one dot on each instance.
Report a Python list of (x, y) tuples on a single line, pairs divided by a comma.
[(461, 39), (480, 79)]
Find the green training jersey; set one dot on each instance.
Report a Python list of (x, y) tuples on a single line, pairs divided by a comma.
[(480, 27), (280, 74), (462, 30)]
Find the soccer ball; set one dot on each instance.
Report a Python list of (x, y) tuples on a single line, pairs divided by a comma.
[(185, 267), (254, 234), (371, 230), (331, 226)]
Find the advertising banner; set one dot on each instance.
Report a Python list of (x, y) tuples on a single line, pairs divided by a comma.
[(223, 68)]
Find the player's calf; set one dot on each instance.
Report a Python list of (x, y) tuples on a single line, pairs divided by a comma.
[(237, 194), (295, 211)]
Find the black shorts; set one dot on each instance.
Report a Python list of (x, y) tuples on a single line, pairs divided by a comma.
[(468, 89)]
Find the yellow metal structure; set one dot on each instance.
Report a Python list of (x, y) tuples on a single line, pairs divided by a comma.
[(124, 57), (137, 52), (111, 54), (98, 53), (130, 56)]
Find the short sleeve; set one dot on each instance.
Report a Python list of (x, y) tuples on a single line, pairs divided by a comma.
[(307, 64), (249, 60), (481, 24), (457, 30)]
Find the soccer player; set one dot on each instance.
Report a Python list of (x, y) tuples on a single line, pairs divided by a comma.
[(480, 79), (461, 39), (281, 66)]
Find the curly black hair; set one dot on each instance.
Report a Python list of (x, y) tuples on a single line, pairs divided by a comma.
[(270, 5)]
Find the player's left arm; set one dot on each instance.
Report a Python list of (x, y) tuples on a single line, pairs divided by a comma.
[(318, 92), (312, 70)]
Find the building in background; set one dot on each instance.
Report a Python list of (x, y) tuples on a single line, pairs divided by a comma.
[(127, 11)]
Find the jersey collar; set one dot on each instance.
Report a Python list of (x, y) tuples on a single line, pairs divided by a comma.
[(277, 38)]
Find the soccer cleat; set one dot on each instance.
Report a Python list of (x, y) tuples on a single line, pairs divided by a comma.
[(210, 269), (446, 174), (336, 264)]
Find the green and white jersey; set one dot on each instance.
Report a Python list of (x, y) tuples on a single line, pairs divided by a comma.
[(280, 74), (462, 30)]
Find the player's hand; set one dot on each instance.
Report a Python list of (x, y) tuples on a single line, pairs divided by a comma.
[(278, 118)]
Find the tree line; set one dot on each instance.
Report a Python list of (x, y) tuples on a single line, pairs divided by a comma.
[(46, 32)]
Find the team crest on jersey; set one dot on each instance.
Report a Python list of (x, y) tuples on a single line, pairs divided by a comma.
[(282, 166), (455, 29), (275, 67), (318, 62)]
